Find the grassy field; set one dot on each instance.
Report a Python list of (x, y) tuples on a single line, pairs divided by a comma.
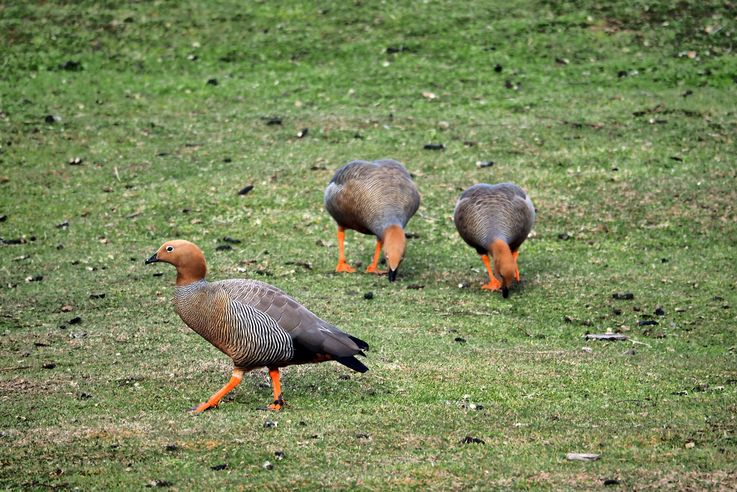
[(124, 125)]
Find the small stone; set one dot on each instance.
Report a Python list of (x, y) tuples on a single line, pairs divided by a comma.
[(472, 440), (623, 296), (273, 120), (63, 225), (279, 455), (611, 481), (659, 311), (75, 321), (362, 435), (49, 365), (303, 133), (246, 189), (66, 308), (434, 146), (223, 247), (221, 466), (588, 350), (270, 424), (75, 161), (459, 340), (564, 236), (171, 448), (212, 81), (647, 322), (690, 445), (616, 311), (582, 457), (228, 239), (680, 310), (368, 295), (267, 465), (415, 286), (159, 483), (482, 164), (344, 377), (3, 218), (51, 119), (97, 295), (463, 285), (34, 278), (498, 68), (71, 66), (630, 352)]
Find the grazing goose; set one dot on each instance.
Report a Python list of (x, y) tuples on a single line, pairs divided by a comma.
[(495, 219), (253, 323), (375, 198)]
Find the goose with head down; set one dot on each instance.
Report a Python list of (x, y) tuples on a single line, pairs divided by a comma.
[(252, 322), (495, 220), (376, 198)]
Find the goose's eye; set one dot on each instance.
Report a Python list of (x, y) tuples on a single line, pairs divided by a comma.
[(170, 248)]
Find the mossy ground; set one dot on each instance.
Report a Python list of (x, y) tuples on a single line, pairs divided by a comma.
[(619, 120)]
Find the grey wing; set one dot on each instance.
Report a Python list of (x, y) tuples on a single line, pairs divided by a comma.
[(307, 331)]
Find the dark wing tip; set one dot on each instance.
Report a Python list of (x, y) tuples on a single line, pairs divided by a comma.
[(361, 344), (352, 363)]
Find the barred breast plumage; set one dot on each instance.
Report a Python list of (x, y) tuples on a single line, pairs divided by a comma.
[(254, 323), (376, 198)]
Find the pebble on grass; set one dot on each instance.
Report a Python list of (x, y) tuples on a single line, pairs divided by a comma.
[(246, 189), (623, 296), (472, 440), (434, 146), (582, 457)]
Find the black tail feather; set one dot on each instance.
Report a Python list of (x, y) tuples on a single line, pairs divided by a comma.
[(361, 344), (353, 363)]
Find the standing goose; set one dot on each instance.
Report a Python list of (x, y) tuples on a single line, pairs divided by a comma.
[(376, 198), (495, 219), (253, 323)]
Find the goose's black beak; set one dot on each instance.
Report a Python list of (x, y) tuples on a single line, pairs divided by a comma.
[(392, 275), (152, 259)]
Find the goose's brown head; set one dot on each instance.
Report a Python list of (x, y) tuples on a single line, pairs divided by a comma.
[(395, 243), (188, 259)]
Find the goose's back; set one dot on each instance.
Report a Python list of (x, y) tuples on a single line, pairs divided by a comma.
[(485, 213), (370, 196)]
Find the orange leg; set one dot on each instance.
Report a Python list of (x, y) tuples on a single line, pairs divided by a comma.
[(493, 284), (373, 267), (516, 268), (276, 383), (342, 265), (235, 380)]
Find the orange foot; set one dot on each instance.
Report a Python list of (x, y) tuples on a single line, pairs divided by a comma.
[(202, 407), (493, 284), (344, 267), (278, 404), (375, 269)]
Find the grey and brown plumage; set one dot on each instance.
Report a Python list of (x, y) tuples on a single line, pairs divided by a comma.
[(495, 219), (253, 323), (376, 198)]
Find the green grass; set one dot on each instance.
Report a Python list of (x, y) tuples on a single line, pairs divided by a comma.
[(618, 119)]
